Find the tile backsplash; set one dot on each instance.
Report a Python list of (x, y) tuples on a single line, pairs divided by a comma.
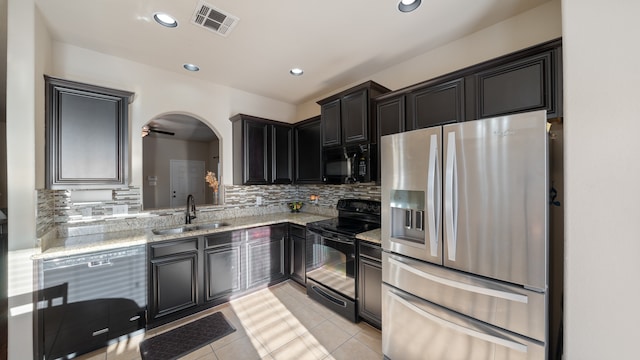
[(57, 211)]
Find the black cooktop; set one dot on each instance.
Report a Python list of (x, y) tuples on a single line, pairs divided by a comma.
[(354, 216), (344, 226)]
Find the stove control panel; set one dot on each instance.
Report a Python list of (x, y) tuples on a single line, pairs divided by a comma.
[(359, 206)]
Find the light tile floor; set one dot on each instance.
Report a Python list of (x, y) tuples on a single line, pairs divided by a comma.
[(278, 323)]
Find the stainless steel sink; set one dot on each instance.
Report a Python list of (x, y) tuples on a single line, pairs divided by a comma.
[(176, 230), (185, 228), (212, 225)]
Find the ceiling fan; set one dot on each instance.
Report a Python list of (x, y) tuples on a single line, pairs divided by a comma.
[(146, 130)]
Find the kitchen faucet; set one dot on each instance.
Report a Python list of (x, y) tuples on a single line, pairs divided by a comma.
[(190, 214)]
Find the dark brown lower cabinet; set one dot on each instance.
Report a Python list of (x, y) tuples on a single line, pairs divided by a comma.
[(174, 279), (223, 262), (223, 271), (297, 241), (191, 274), (266, 255), (370, 283)]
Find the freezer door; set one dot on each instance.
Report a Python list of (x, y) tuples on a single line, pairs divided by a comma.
[(411, 182), (506, 306), (418, 329), (496, 198)]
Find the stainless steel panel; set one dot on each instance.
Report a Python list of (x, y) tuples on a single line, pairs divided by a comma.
[(117, 273), (411, 187), (417, 329), (509, 307), (496, 192)]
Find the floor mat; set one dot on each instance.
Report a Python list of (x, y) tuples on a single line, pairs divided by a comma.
[(187, 338)]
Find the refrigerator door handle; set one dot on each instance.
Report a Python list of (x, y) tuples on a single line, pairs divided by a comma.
[(433, 196), (462, 286), (451, 197), (470, 332)]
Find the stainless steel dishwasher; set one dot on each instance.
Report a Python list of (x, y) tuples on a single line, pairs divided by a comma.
[(87, 300)]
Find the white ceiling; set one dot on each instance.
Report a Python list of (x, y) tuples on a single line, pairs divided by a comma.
[(336, 42)]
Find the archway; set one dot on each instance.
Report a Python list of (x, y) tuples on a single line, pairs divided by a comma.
[(189, 145)]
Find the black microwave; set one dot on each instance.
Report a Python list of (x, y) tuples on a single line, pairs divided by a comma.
[(348, 164)]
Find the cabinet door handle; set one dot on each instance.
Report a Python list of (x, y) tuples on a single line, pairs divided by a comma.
[(98, 263), (100, 332)]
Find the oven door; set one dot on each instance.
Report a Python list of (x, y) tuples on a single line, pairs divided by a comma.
[(331, 261)]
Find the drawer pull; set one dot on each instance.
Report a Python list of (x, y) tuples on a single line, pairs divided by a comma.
[(100, 332)]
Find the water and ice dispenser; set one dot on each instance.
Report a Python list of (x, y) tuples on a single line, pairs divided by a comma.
[(408, 215)]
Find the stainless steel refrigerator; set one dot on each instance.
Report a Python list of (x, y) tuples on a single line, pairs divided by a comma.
[(467, 261)]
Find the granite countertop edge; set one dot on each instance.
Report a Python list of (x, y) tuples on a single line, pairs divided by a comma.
[(372, 236), (74, 245)]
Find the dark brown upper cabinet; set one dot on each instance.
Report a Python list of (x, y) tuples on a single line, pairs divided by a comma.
[(525, 84), (436, 105), (391, 115), (281, 154), (308, 151), (331, 124), (526, 80), (348, 117), (86, 135), (355, 117), (262, 151)]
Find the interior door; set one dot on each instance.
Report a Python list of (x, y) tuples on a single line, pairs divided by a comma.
[(496, 198), (187, 177)]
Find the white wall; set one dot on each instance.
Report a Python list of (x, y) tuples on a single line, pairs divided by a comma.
[(527, 29), (159, 91), (3, 164), (602, 178), (21, 102)]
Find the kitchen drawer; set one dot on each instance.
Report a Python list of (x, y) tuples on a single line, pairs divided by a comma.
[(267, 232), (445, 334), (225, 238), (371, 251), (174, 247), (497, 303)]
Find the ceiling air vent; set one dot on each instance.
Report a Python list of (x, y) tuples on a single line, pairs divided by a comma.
[(213, 19)]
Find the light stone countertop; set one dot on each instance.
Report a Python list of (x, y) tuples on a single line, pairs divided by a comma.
[(372, 236), (98, 242)]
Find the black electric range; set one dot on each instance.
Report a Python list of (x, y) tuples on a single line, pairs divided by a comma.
[(331, 258), (354, 216)]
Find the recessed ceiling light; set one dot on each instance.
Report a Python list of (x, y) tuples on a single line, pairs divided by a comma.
[(191, 67), (165, 20), (408, 5), (296, 71)]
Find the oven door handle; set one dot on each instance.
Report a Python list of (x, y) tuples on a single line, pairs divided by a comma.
[(338, 240), (331, 236)]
